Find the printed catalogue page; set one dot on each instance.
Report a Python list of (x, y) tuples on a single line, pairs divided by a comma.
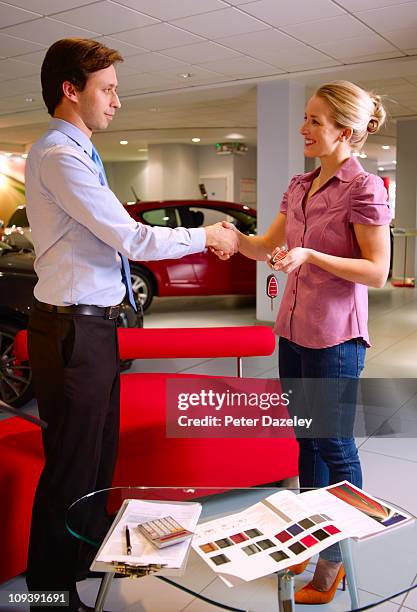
[(285, 529)]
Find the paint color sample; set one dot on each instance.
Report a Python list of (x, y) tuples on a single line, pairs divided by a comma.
[(219, 559), (223, 543), (326, 518), (278, 556), (317, 518), (295, 529), (309, 540), (209, 547), (297, 548), (264, 544), (331, 529), (238, 538), (320, 534), (283, 536), (253, 533), (306, 523), (251, 549)]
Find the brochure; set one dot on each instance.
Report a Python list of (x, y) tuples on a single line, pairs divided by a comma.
[(285, 528)]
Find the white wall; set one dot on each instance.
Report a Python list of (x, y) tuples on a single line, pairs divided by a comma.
[(211, 165), (244, 167), (172, 172), (121, 175)]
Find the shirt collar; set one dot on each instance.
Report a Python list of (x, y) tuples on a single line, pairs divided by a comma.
[(346, 173), (70, 130)]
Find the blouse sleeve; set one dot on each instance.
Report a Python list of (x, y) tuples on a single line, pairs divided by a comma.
[(369, 201), (284, 202)]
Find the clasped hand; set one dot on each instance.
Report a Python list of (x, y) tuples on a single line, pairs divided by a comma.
[(222, 239), (292, 260)]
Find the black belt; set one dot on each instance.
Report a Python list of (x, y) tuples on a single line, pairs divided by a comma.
[(109, 312)]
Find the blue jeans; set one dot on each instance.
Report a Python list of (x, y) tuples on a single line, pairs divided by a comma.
[(325, 461)]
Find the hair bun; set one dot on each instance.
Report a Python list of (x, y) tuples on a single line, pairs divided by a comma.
[(378, 116), (373, 125)]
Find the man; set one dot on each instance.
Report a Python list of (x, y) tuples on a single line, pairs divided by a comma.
[(82, 237)]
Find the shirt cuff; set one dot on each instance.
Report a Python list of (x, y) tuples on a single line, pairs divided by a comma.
[(198, 239)]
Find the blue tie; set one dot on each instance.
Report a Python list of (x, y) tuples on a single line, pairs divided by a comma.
[(126, 278)]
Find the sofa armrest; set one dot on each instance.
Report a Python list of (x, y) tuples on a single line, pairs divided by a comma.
[(134, 343)]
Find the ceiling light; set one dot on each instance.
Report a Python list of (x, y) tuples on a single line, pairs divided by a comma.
[(29, 99), (363, 155), (381, 168), (24, 155), (142, 150), (195, 139), (185, 75), (386, 147), (124, 142), (8, 154), (235, 135), (394, 161), (154, 109)]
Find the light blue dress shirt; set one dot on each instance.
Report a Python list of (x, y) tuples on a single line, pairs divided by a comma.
[(78, 225)]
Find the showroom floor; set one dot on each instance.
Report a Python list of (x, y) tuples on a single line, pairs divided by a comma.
[(389, 463)]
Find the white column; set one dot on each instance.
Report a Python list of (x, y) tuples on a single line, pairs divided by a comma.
[(172, 172), (280, 156), (406, 196)]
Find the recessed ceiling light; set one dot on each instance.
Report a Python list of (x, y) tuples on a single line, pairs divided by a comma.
[(363, 155), (24, 155), (154, 109), (394, 161), (142, 150), (381, 168), (196, 139), (29, 99), (386, 147), (235, 135), (124, 142), (185, 75)]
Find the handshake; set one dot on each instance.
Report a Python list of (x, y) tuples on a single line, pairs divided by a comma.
[(222, 239)]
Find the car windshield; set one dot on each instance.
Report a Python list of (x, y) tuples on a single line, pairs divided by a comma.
[(19, 218)]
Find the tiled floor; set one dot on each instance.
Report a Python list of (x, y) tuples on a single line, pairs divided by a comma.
[(388, 450)]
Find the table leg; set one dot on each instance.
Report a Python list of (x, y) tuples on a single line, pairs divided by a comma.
[(346, 550), (103, 591), (285, 591)]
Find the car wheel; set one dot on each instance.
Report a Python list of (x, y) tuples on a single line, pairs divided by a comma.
[(15, 378), (142, 287)]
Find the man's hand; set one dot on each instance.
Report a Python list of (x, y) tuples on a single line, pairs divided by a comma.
[(223, 241)]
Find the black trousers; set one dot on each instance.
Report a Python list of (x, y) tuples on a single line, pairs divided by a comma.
[(75, 365)]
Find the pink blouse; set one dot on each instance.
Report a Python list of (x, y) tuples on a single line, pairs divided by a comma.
[(319, 309)]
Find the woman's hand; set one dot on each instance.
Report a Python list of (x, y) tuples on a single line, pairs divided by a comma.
[(293, 259), (221, 254)]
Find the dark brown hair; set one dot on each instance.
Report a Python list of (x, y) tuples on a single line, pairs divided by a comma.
[(73, 60)]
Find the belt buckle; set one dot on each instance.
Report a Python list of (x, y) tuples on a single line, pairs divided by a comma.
[(112, 312)]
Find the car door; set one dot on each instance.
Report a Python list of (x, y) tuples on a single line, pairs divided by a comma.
[(214, 276), (176, 274)]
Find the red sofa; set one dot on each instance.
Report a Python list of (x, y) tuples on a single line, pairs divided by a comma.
[(146, 456)]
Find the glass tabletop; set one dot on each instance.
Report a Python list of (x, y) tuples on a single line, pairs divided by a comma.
[(385, 565)]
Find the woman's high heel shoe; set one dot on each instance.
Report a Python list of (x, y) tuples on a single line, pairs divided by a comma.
[(310, 595), (299, 568)]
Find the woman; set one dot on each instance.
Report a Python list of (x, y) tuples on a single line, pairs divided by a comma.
[(335, 222)]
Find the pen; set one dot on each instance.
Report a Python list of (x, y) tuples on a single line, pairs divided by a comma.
[(128, 544)]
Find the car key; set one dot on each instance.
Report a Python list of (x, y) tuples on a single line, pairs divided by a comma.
[(279, 255), (272, 288)]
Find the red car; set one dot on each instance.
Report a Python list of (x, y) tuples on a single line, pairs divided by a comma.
[(199, 274)]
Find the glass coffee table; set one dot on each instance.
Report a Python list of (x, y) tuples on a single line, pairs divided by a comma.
[(377, 569)]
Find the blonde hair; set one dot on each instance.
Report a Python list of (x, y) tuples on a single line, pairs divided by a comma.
[(355, 108)]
